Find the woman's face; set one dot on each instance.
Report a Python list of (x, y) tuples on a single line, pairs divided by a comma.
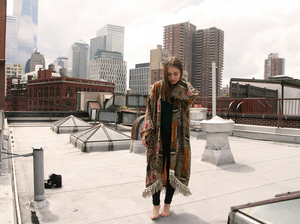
[(173, 75)]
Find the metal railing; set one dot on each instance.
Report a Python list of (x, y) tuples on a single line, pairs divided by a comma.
[(278, 107)]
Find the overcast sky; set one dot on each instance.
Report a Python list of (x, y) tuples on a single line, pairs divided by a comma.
[(253, 28)]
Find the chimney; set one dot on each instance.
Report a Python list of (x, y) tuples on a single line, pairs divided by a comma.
[(40, 73)]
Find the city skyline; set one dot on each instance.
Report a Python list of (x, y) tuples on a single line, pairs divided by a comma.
[(253, 29)]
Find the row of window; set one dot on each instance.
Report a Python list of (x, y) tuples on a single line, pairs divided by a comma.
[(12, 68), (68, 94), (50, 103), (8, 76), (19, 72)]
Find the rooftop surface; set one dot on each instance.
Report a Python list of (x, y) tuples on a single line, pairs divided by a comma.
[(106, 187)]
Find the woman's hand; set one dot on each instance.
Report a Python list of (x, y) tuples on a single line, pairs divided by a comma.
[(144, 141)]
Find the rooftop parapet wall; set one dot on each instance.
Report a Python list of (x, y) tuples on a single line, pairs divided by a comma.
[(291, 135)]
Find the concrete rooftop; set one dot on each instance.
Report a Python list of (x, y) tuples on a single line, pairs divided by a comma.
[(106, 187)]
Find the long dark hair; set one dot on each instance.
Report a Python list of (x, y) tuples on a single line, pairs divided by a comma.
[(167, 87)]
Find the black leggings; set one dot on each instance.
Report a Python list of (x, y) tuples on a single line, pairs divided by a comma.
[(166, 143)]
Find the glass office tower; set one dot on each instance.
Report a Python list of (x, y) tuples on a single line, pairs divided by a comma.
[(27, 13), (11, 43), (114, 37)]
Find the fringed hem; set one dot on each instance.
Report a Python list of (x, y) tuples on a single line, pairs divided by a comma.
[(149, 191), (178, 186)]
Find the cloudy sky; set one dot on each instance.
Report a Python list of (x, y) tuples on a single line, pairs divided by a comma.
[(253, 28)]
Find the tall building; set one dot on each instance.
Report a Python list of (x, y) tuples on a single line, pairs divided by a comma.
[(61, 61), (110, 70), (208, 47), (106, 60), (11, 43), (114, 38), (178, 42), (158, 57), (78, 60), (97, 43), (109, 55), (139, 79), (27, 13), (36, 59), (274, 66)]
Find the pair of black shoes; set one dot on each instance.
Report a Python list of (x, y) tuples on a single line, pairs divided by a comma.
[(54, 180)]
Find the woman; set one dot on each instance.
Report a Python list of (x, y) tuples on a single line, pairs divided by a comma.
[(166, 134)]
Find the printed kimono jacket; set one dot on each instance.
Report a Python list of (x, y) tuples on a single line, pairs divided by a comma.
[(180, 153)]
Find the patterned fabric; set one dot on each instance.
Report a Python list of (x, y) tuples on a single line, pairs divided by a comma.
[(180, 152)]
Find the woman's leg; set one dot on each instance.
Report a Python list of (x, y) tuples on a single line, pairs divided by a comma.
[(156, 198), (156, 205), (166, 144), (156, 202), (170, 190)]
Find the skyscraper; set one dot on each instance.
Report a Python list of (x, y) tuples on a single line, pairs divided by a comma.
[(61, 62), (178, 42), (97, 43), (208, 46), (114, 37), (27, 13), (36, 59), (110, 70), (139, 79), (274, 66), (106, 61), (11, 44), (78, 60)]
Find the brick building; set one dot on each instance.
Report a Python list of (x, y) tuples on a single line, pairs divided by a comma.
[(16, 95), (178, 42), (53, 94), (274, 66)]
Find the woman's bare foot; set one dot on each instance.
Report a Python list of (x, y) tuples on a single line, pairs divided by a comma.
[(155, 212), (166, 210)]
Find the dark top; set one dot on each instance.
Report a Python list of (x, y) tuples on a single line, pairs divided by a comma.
[(166, 115)]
